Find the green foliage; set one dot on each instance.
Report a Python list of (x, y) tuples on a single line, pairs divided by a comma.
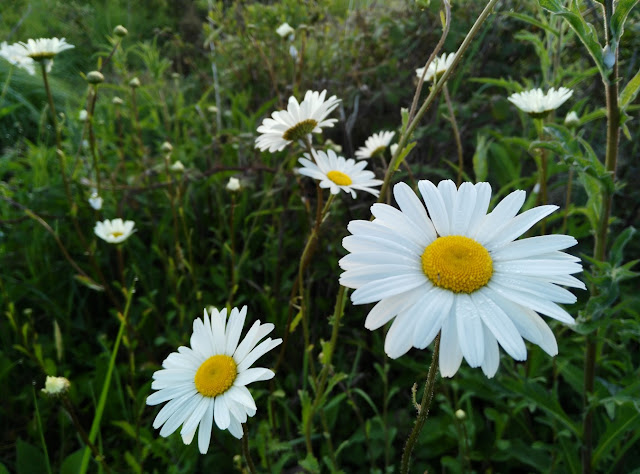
[(210, 72)]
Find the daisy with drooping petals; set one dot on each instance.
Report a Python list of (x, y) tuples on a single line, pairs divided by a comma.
[(208, 381), (14, 53), (114, 231), (374, 145), (298, 121), (336, 173), (44, 48), (459, 271), (538, 104), (439, 65)]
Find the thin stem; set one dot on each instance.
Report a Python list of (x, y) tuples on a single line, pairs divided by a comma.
[(435, 90), (245, 449), (423, 410), (567, 202), (92, 137), (456, 133), (542, 170), (41, 432), (6, 84)]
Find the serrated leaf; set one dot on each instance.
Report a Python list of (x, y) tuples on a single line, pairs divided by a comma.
[(623, 7), (628, 419), (617, 249)]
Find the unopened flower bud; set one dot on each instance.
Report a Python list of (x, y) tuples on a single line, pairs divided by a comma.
[(55, 386), (82, 116), (166, 147), (117, 101), (120, 31), (134, 83), (460, 414), (572, 119), (212, 109), (177, 167), (95, 77), (233, 185)]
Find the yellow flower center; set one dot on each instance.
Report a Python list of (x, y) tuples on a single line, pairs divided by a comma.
[(216, 375), (457, 263), (339, 178), (300, 130), (115, 234)]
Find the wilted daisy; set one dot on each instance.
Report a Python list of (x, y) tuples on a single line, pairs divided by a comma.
[(45, 48), (538, 104), (15, 54), (439, 65), (114, 231), (460, 271), (374, 145), (336, 173), (298, 121), (207, 381)]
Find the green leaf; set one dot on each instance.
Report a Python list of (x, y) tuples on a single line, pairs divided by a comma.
[(585, 31), (29, 459), (630, 91), (480, 164), (310, 463), (617, 249), (627, 420), (623, 7), (532, 21), (3, 469), (71, 464), (88, 282)]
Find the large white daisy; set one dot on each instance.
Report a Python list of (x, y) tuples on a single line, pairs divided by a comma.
[(114, 231), (207, 381), (538, 104), (439, 65), (44, 48), (336, 173), (375, 144), (298, 121), (458, 270)]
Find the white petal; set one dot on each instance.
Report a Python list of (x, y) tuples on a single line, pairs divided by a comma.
[(221, 412), (483, 197), (394, 219), (170, 393), (235, 428), (450, 353), (496, 219), (491, 353), (536, 267), (253, 375), (411, 206), (535, 286), (241, 394), (260, 350), (380, 289), (533, 246), (540, 305), (192, 422), (435, 206), (180, 414), (400, 336), (463, 208), (500, 325), (234, 329), (434, 308), (469, 326), (388, 308), (204, 432), (518, 226)]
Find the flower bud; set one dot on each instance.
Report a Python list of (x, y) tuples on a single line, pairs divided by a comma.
[(134, 83), (82, 116), (572, 119), (95, 77), (166, 147), (55, 386), (460, 414), (233, 185), (177, 167), (117, 101), (120, 31)]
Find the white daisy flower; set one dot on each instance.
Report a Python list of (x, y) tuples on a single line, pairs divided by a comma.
[(459, 271), (336, 173), (114, 231), (439, 65), (298, 121), (233, 184), (538, 104), (45, 48), (285, 30), (375, 144), (208, 381), (15, 54)]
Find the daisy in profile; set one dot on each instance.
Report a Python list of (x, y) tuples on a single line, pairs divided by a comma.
[(44, 48), (114, 231), (337, 173), (439, 65), (298, 121), (208, 381), (538, 104), (375, 145), (14, 53), (457, 270)]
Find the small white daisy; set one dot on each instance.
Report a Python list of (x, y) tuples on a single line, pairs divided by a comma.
[(114, 231), (374, 145), (298, 121), (45, 48), (207, 381), (538, 104), (439, 65), (336, 173), (285, 30), (460, 272), (15, 54)]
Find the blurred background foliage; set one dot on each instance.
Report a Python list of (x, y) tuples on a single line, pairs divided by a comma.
[(210, 72)]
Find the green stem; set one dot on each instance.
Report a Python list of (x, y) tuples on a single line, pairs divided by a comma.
[(245, 449), (456, 134), (423, 410), (600, 245), (41, 432), (435, 90), (92, 137), (95, 425), (6, 84)]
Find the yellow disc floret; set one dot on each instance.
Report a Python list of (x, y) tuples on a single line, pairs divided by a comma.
[(457, 263), (216, 375), (115, 234), (339, 178), (300, 130)]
